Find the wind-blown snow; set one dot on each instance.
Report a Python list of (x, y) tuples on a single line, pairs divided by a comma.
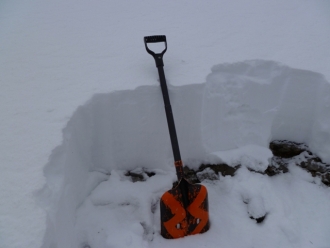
[(232, 118)]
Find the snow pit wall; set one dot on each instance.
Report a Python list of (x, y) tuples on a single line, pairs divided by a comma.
[(246, 103)]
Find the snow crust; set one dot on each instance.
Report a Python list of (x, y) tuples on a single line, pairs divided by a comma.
[(231, 118)]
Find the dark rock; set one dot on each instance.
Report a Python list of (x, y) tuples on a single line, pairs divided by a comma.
[(203, 172), (286, 149), (139, 175), (207, 174), (272, 170), (326, 178), (313, 163), (224, 169), (150, 173), (135, 176), (277, 166), (260, 219), (190, 175), (286, 152)]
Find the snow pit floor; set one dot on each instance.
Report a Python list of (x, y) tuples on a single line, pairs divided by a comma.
[(91, 202), (120, 213)]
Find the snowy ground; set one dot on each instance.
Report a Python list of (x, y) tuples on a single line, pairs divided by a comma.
[(56, 55), (109, 219)]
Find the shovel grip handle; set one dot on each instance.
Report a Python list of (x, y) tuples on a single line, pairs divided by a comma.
[(155, 38), (157, 56)]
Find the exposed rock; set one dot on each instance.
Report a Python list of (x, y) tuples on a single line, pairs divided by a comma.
[(190, 175), (277, 166), (208, 171), (286, 152), (286, 149), (139, 174), (224, 169), (207, 174), (136, 177), (150, 173), (326, 178)]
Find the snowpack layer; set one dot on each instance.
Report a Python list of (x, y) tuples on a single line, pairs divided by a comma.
[(231, 118)]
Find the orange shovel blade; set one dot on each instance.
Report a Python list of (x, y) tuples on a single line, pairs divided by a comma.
[(178, 221)]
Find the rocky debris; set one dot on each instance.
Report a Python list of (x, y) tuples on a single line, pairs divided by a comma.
[(139, 174), (190, 175), (277, 166), (207, 174), (286, 152), (315, 166), (286, 149), (224, 169), (326, 179), (136, 177), (208, 171)]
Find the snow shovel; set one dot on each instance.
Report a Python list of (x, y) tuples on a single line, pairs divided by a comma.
[(184, 208)]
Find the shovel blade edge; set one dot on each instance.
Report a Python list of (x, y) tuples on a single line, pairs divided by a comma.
[(178, 221)]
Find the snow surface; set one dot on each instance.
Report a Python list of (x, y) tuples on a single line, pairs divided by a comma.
[(56, 55)]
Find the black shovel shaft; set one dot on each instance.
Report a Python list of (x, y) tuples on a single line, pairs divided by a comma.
[(169, 115), (168, 109)]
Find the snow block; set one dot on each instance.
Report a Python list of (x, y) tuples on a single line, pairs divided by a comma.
[(254, 102)]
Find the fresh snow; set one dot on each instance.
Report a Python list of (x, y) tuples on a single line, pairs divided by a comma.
[(81, 105)]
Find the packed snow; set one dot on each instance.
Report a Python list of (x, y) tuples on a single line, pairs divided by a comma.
[(81, 107)]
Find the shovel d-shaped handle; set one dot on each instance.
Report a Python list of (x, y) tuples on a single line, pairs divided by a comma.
[(155, 39)]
